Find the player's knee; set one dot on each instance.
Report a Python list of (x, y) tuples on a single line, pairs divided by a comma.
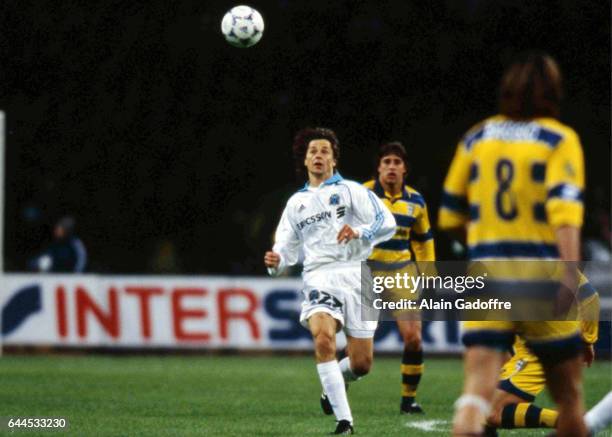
[(412, 340), (565, 394), (361, 366), (325, 345)]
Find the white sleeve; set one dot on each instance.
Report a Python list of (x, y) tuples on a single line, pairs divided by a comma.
[(286, 243), (378, 224)]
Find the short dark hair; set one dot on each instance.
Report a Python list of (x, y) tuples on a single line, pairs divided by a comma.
[(392, 148), (531, 87), (303, 138)]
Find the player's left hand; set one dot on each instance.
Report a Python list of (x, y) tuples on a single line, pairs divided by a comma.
[(346, 234)]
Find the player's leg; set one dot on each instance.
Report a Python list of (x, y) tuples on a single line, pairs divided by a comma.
[(358, 362), (486, 343), (559, 347), (564, 381), (412, 364), (481, 369), (360, 325), (323, 328), (521, 380), (510, 411)]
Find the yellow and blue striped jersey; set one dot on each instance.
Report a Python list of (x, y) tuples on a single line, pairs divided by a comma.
[(413, 228), (512, 183), (589, 327)]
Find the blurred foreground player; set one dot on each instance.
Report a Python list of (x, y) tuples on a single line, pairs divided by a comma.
[(522, 377), (517, 180), (413, 235), (334, 223)]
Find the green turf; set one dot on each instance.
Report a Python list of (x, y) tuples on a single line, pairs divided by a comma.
[(191, 395)]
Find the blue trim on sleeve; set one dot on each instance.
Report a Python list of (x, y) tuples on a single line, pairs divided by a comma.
[(378, 220), (394, 245), (454, 202), (566, 192), (421, 237)]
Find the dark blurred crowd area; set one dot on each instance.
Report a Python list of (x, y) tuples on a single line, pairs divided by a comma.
[(171, 149)]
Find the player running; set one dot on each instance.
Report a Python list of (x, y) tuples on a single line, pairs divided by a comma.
[(395, 256), (335, 223), (517, 180)]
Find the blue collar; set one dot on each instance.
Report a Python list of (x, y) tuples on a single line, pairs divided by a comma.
[(380, 192), (334, 179)]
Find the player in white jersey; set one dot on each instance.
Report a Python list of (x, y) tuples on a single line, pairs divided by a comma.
[(335, 223)]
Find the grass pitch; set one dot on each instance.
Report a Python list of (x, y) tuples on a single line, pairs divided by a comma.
[(235, 395)]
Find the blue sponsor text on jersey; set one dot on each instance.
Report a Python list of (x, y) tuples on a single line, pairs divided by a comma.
[(314, 219)]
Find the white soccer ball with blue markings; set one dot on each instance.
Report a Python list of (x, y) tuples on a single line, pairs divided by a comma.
[(242, 26)]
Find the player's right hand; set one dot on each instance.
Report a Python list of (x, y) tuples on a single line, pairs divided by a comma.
[(271, 259), (588, 355)]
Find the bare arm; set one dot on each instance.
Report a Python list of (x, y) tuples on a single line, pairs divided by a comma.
[(568, 243)]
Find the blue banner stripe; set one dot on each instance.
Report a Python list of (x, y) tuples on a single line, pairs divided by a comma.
[(20, 306), (394, 244), (510, 249)]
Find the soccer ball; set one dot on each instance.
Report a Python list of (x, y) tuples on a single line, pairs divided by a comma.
[(242, 26)]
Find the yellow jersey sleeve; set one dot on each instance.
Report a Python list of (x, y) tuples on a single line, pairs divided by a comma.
[(454, 209), (565, 183), (589, 326)]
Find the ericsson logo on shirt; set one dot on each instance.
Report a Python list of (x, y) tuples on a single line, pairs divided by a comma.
[(314, 219)]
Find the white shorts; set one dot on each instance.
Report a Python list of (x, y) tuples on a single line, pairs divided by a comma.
[(337, 292)]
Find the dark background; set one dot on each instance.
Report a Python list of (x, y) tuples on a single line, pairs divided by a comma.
[(172, 148)]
